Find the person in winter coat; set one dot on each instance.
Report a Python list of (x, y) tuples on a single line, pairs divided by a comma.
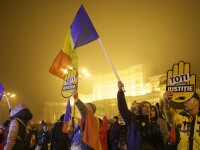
[(187, 122), (43, 137), (19, 115), (94, 129), (60, 139), (162, 123), (114, 133), (142, 134)]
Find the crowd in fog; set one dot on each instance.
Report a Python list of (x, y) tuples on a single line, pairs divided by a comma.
[(142, 127)]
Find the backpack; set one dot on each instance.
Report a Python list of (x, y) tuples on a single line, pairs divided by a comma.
[(26, 136)]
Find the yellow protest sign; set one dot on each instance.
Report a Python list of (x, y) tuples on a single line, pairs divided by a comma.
[(70, 83), (181, 82)]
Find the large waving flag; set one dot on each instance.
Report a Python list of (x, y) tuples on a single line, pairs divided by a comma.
[(81, 32), (1, 91), (67, 117)]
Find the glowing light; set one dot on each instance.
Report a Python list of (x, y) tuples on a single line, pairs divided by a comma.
[(65, 71), (84, 70), (70, 67), (12, 95), (87, 74)]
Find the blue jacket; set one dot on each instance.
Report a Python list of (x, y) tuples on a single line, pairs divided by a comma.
[(141, 134)]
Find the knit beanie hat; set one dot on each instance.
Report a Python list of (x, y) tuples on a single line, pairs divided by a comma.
[(91, 107), (115, 117), (141, 105)]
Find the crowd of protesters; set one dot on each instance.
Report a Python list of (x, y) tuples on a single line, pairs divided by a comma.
[(142, 127)]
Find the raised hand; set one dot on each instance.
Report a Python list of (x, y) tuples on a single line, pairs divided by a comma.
[(120, 85)]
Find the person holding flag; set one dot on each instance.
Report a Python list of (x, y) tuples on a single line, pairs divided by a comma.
[(65, 66), (94, 129), (142, 133)]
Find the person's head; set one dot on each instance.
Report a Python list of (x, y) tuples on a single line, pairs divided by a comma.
[(144, 108), (134, 107), (115, 119), (43, 123), (121, 121), (154, 112), (91, 107), (192, 105), (44, 126)]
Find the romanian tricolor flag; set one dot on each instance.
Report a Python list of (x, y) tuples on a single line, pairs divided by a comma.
[(1, 91), (91, 132), (67, 117), (81, 32)]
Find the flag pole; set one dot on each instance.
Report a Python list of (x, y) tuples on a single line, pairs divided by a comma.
[(110, 63), (7, 100)]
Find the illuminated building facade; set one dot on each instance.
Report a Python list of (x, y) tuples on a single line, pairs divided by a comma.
[(135, 80)]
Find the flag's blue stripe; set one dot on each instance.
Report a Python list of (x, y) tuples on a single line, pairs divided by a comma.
[(1, 91), (82, 30), (68, 112)]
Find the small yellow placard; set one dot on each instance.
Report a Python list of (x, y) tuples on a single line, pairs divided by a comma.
[(181, 82), (70, 83)]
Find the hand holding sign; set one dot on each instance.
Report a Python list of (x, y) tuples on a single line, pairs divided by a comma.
[(70, 83), (181, 82)]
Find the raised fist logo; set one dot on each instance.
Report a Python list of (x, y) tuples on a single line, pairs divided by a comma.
[(181, 82), (70, 83)]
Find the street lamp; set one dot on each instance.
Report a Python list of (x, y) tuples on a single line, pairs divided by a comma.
[(12, 95), (9, 95), (85, 73), (6, 96)]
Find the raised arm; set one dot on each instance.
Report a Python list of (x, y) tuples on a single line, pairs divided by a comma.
[(170, 112), (122, 106), (80, 105)]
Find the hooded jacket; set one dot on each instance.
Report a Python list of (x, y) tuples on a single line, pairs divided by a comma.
[(115, 131), (19, 113), (139, 129)]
